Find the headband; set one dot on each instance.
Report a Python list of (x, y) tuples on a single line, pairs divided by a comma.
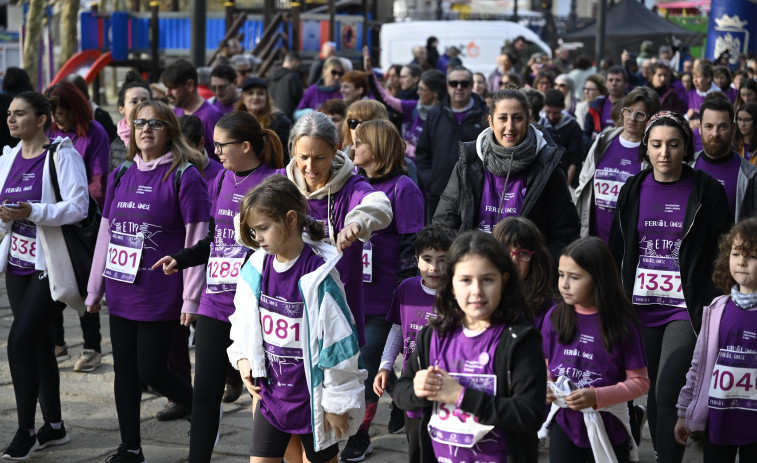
[(676, 118)]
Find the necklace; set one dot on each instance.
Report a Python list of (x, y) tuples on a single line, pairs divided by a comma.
[(237, 183)]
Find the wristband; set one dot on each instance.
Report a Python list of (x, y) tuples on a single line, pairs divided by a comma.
[(460, 398)]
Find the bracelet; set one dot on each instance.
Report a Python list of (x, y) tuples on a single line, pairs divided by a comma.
[(460, 398)]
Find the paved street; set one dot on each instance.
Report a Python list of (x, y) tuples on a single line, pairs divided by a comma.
[(90, 416)]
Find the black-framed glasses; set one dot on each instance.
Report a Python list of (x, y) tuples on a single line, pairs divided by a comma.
[(353, 123), (523, 255), (460, 83), (155, 124), (218, 147), (638, 116), (336, 73)]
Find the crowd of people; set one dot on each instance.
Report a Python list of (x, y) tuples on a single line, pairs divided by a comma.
[(544, 246)]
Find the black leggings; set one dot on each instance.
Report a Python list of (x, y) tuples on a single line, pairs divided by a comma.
[(561, 448), (90, 330), (211, 360), (727, 453), (140, 355), (31, 348)]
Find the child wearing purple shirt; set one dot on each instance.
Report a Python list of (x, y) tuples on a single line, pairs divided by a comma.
[(412, 307), (719, 396), (477, 374), (592, 343)]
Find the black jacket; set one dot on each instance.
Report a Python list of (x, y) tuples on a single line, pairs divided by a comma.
[(286, 89), (436, 151), (547, 202), (707, 217), (518, 407)]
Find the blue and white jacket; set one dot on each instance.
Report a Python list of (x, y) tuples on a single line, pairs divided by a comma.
[(330, 349)]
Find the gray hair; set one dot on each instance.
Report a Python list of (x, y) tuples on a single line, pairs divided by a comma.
[(313, 124), (250, 60)]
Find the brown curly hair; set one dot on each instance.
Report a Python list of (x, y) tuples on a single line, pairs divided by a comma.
[(746, 232)]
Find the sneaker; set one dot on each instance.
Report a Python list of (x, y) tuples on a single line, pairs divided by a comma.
[(232, 392), (171, 411), (396, 419), (21, 446), (47, 436), (123, 455), (61, 353), (641, 420), (357, 448), (88, 361)]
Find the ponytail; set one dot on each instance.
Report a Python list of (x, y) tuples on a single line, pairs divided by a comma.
[(271, 152)]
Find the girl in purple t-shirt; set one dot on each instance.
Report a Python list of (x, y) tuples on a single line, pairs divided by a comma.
[(720, 394), (294, 339), (593, 346), (249, 154), (525, 244), (476, 373)]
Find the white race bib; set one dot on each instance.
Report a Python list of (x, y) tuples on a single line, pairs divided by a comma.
[(367, 262), (452, 426), (607, 185), (23, 248), (658, 281), (223, 268), (733, 383), (281, 322), (124, 257)]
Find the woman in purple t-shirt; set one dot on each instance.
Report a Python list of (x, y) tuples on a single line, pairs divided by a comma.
[(664, 238), (154, 206), (39, 287), (249, 154)]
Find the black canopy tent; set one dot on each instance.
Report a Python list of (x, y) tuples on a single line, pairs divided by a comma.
[(628, 23)]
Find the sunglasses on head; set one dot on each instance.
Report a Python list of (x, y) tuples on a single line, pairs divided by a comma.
[(353, 123), (461, 83)]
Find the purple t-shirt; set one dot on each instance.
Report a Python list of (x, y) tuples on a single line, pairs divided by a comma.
[(222, 108), (313, 96), (657, 292), (217, 300), (94, 148), (621, 160), (733, 396), (381, 255), (695, 99), (748, 153), (412, 124), (148, 208), (725, 170), (586, 362), (493, 194), (211, 172), (607, 120), (471, 361), (209, 115), (285, 398), (24, 183), (350, 267)]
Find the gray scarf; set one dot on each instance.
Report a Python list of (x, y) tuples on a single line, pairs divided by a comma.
[(502, 161), (424, 109), (745, 301)]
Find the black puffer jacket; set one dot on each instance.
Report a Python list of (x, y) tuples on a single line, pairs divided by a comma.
[(518, 407), (547, 202), (708, 216)]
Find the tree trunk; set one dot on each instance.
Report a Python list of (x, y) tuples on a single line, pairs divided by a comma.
[(68, 35), (34, 18)]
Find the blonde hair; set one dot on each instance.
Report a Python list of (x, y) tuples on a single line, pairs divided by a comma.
[(364, 110), (386, 143)]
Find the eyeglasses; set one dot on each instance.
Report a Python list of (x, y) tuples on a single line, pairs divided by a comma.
[(336, 73), (639, 116), (155, 124), (523, 255), (589, 89), (461, 83), (745, 120), (353, 123), (219, 88), (562, 85), (218, 147)]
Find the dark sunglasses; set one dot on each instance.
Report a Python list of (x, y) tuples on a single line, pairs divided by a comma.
[(353, 123), (461, 83), (336, 73), (155, 124)]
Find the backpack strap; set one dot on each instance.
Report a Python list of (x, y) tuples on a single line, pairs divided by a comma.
[(179, 172), (121, 171)]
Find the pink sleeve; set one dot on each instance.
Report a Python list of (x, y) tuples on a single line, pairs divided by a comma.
[(390, 100), (96, 282), (635, 385), (194, 277)]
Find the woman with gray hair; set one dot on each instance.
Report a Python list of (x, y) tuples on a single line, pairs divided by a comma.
[(565, 84), (345, 202)]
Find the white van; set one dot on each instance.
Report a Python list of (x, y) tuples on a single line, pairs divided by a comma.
[(478, 41)]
